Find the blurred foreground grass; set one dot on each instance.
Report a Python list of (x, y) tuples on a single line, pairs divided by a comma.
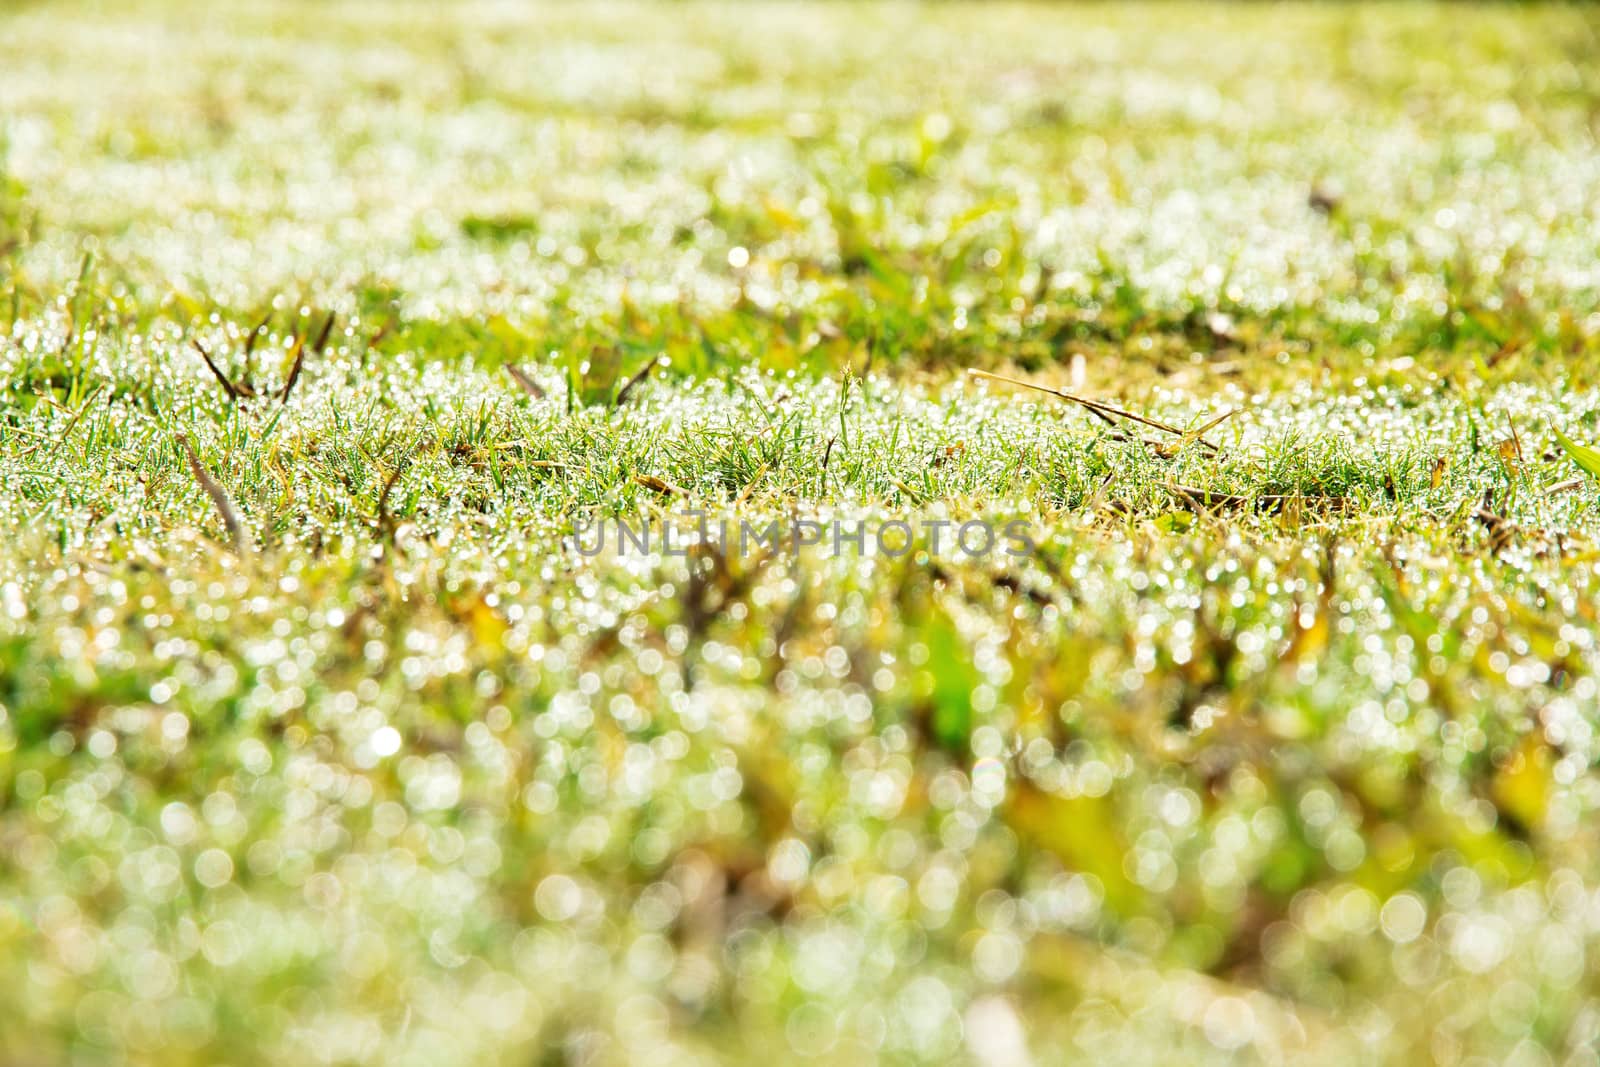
[(1281, 746)]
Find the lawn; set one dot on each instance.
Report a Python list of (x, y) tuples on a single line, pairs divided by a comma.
[(1122, 565)]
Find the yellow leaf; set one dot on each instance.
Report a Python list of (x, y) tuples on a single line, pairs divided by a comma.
[(1082, 832), (1521, 786)]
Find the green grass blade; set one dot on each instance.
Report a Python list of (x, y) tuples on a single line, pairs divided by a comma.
[(1582, 455)]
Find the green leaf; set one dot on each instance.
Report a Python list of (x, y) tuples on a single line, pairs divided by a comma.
[(1175, 522), (953, 680), (1583, 456)]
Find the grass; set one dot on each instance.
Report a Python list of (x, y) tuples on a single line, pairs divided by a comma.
[(326, 331)]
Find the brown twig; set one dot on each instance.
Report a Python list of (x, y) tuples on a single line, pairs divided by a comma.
[(1566, 487), (256, 334), (250, 342), (527, 384), (1206, 498), (300, 356), (627, 386), (299, 361), (219, 498), (234, 391), (322, 337), (658, 485), (1097, 407)]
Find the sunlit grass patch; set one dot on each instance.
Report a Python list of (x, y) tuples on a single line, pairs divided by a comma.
[(1261, 723)]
